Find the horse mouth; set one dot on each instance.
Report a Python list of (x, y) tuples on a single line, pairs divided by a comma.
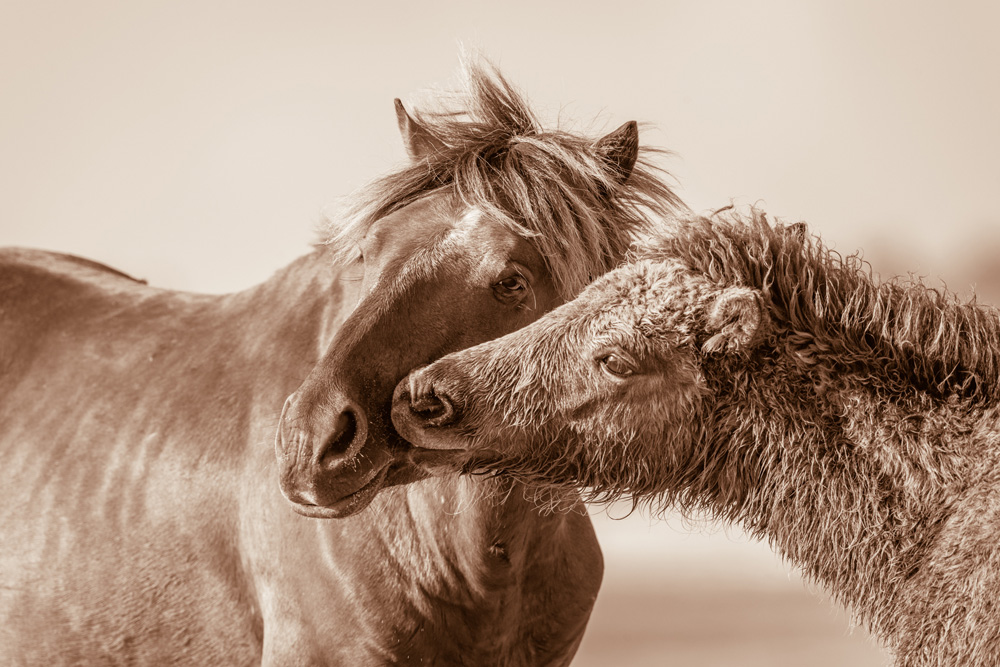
[(438, 461), (411, 463), (350, 504)]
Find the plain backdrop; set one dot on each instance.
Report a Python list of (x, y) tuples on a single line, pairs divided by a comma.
[(198, 144)]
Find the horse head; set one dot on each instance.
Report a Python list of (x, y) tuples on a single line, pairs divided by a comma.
[(490, 226), (605, 392)]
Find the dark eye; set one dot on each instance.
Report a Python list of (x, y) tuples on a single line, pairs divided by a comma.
[(617, 365), (511, 287)]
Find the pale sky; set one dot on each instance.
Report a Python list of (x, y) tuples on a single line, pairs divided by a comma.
[(197, 144)]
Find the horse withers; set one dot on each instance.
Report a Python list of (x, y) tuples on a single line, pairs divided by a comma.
[(740, 367), (147, 514)]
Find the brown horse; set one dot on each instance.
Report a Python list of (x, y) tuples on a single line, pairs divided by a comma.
[(141, 520), (743, 369)]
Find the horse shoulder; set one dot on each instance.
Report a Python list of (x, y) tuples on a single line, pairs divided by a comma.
[(947, 608)]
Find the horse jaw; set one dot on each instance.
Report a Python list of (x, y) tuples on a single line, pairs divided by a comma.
[(346, 506)]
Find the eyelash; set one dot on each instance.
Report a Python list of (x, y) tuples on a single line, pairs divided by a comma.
[(625, 369)]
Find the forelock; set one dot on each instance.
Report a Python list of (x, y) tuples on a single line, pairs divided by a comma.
[(551, 187)]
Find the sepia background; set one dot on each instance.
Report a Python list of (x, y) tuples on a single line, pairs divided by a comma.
[(197, 145)]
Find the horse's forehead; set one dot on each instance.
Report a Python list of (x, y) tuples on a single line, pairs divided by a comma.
[(665, 282), (466, 230), (640, 292), (413, 225), (477, 233), (441, 236)]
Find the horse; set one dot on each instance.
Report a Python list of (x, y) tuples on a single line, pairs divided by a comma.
[(738, 367), (214, 479)]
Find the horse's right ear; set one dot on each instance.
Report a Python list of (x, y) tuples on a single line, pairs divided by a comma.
[(620, 149), (735, 320), (418, 140)]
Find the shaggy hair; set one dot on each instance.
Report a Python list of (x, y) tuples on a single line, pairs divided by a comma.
[(860, 439), (914, 335), (549, 186), (853, 424)]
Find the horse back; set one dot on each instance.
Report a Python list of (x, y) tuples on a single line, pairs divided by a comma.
[(78, 338)]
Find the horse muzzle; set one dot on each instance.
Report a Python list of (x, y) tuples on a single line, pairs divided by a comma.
[(332, 472), (425, 414)]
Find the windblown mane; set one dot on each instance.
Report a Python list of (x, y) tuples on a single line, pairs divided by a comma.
[(550, 186), (919, 336)]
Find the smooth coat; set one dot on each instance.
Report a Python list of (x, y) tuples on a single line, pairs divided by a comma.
[(144, 526)]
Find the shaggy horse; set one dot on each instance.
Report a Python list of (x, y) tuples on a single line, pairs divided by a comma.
[(740, 367), (141, 520)]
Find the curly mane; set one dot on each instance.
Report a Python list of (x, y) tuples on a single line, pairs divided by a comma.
[(923, 337), (549, 186)]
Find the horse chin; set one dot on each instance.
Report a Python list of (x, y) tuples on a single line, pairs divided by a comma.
[(346, 506), (436, 462)]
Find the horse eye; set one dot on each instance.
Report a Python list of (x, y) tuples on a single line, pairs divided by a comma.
[(617, 365), (510, 288), (513, 284)]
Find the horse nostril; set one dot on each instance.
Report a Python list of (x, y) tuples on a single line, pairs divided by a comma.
[(345, 428), (434, 408)]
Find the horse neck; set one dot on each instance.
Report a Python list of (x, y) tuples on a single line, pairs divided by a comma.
[(846, 479), (274, 334), (466, 533), (302, 305)]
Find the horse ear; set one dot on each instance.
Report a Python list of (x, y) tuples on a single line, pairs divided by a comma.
[(620, 149), (418, 140), (735, 320)]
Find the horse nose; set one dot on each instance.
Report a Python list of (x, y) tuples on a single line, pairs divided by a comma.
[(430, 402), (436, 409), (346, 434), (326, 436), (345, 437)]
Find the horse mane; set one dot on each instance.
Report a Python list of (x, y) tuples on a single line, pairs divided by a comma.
[(549, 186), (918, 336)]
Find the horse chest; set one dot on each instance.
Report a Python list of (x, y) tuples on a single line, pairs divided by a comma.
[(499, 617), (516, 602)]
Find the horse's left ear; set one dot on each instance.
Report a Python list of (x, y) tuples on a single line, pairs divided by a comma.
[(735, 320), (620, 149), (418, 140)]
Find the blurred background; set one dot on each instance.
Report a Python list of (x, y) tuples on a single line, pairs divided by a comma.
[(198, 144)]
